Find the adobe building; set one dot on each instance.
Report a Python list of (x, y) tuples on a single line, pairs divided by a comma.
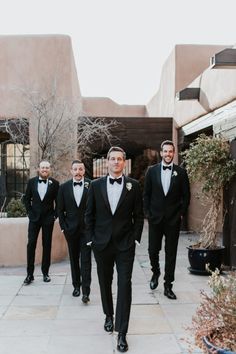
[(30, 66), (198, 89), (197, 93)]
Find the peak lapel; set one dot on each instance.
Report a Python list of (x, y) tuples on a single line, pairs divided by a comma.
[(35, 187), (85, 190), (71, 192), (104, 192), (123, 193), (159, 177), (172, 179)]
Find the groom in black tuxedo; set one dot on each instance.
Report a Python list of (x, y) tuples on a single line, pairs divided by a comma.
[(40, 202), (114, 217), (71, 204), (166, 199)]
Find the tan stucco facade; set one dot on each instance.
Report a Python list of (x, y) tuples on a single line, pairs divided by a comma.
[(105, 107), (185, 64), (36, 65), (33, 63), (13, 241), (189, 66), (37, 62)]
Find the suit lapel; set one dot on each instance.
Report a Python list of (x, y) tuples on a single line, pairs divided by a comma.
[(159, 177), (71, 192), (48, 186), (123, 193), (172, 179), (85, 190), (104, 192), (35, 187)]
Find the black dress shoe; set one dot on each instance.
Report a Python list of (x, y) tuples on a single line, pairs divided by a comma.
[(85, 299), (108, 325), (154, 282), (28, 279), (122, 345), (76, 292), (170, 294), (46, 278)]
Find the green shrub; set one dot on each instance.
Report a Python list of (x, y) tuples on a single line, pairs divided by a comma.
[(15, 209), (208, 161)]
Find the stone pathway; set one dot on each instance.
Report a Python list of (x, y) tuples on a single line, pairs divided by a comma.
[(44, 318)]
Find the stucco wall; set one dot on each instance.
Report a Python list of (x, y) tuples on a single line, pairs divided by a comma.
[(32, 69), (13, 241), (198, 208), (182, 67), (34, 62), (105, 107), (162, 103), (217, 88)]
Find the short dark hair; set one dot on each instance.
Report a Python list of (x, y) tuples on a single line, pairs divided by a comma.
[(76, 161), (116, 148), (167, 142)]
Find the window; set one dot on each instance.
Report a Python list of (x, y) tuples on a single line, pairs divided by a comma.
[(14, 170)]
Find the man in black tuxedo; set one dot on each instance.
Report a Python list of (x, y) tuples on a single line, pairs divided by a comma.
[(166, 199), (114, 217), (40, 202), (71, 204)]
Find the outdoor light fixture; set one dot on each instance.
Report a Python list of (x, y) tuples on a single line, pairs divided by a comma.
[(189, 93), (226, 59)]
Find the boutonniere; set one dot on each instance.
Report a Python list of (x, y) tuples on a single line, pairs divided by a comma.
[(129, 186), (50, 181), (86, 184), (174, 174)]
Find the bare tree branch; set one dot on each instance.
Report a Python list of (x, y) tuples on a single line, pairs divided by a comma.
[(58, 127)]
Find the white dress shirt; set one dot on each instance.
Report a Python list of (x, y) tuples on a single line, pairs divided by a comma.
[(78, 191), (114, 192), (166, 177), (42, 188)]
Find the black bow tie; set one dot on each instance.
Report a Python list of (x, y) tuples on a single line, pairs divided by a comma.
[(166, 167), (78, 183), (42, 180), (118, 180)]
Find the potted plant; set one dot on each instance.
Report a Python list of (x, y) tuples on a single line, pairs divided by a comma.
[(214, 323), (208, 162), (15, 209)]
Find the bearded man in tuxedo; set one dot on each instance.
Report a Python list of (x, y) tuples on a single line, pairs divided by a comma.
[(40, 202), (71, 204), (166, 199), (114, 217)]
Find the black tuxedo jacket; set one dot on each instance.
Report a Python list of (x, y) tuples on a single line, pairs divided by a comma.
[(41, 209), (125, 226), (157, 205), (71, 217)]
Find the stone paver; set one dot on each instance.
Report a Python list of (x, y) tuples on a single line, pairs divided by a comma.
[(45, 318)]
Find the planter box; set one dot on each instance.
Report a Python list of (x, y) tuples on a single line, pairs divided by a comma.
[(14, 238)]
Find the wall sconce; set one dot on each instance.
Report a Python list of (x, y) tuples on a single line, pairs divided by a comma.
[(189, 93), (226, 59)]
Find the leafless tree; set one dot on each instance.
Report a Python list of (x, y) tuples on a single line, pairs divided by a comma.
[(58, 126), (17, 128), (94, 130)]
